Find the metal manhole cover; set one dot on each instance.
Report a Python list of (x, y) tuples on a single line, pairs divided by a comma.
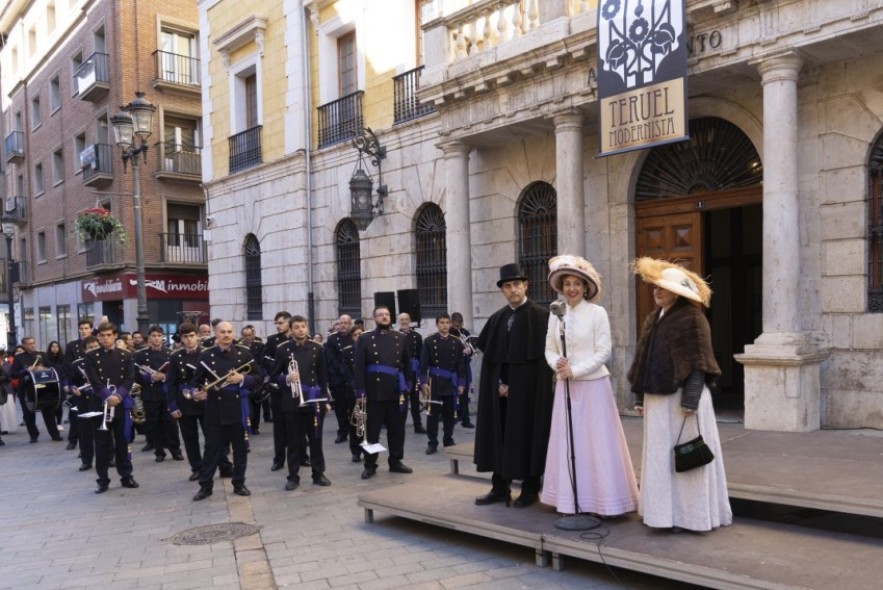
[(213, 533)]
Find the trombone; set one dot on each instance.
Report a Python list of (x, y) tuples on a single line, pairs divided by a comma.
[(221, 381), (108, 409)]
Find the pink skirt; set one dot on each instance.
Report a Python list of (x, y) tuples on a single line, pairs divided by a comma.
[(605, 478)]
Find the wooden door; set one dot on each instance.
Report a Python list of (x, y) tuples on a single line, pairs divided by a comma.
[(668, 236)]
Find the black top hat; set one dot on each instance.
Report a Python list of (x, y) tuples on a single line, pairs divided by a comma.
[(510, 272)]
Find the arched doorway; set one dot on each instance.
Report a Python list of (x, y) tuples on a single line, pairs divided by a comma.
[(699, 203)]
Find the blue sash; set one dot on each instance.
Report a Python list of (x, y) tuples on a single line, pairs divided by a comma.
[(389, 371), (449, 375)]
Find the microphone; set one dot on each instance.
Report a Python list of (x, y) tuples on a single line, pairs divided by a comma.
[(557, 308)]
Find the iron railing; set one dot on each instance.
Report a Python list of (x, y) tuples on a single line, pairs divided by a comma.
[(349, 270), (101, 163), (340, 120), (432, 265), (14, 144), (175, 68), (538, 238), (254, 284), (95, 70), (102, 252), (15, 207), (179, 158), (406, 105), (245, 149), (183, 248)]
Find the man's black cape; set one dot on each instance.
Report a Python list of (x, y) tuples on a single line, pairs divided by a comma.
[(516, 449)]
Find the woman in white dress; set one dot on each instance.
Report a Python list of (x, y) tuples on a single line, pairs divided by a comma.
[(672, 369), (605, 479)]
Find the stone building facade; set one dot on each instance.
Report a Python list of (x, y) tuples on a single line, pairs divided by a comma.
[(776, 197), (66, 67)]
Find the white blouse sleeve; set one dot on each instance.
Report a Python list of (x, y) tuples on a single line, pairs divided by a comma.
[(553, 342)]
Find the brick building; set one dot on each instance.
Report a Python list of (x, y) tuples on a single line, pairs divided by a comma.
[(65, 67)]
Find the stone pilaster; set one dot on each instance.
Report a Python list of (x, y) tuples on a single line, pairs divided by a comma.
[(569, 181), (458, 240)]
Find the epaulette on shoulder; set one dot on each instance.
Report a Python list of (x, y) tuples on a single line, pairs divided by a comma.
[(243, 347)]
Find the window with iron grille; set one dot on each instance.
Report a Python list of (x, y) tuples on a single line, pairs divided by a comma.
[(875, 228), (432, 265), (349, 269), (254, 301), (538, 238)]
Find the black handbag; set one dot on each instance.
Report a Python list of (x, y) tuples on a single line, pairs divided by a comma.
[(693, 453)]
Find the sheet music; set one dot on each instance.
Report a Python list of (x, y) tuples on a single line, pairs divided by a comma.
[(373, 448)]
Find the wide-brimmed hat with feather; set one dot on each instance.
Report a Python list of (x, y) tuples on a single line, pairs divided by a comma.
[(674, 278), (568, 264)]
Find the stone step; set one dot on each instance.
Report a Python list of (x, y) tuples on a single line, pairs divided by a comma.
[(750, 554), (836, 470)]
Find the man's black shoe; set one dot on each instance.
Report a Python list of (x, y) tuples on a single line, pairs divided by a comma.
[(341, 438), (369, 472), (430, 450), (268, 419), (400, 468), (525, 499), (71, 445), (102, 487), (255, 431), (291, 485), (202, 494), (178, 456), (418, 429), (84, 467), (57, 438), (449, 443), (492, 497), (241, 490), (193, 476), (33, 439), (2, 444), (277, 466), (147, 448), (306, 462), (225, 472), (321, 480), (160, 458), (357, 458), (129, 482), (467, 425)]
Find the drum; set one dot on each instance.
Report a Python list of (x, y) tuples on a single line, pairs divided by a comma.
[(42, 390)]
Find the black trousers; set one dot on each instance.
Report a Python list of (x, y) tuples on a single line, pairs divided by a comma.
[(190, 427), (529, 485), (279, 431), (86, 431), (355, 441), (30, 419), (463, 410), (111, 442), (217, 437), (445, 413), (340, 393), (161, 428), (255, 414), (393, 415), (416, 406), (304, 429)]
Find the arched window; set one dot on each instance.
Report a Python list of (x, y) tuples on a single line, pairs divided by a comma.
[(254, 288), (538, 238), (432, 265), (875, 227), (349, 269)]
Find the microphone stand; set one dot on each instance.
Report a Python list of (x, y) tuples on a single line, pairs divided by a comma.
[(578, 521)]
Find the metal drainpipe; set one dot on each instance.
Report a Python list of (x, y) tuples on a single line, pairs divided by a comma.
[(308, 154)]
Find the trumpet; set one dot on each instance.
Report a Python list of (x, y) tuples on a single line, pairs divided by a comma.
[(359, 419), (296, 389), (109, 410), (426, 398), (221, 381), (150, 371)]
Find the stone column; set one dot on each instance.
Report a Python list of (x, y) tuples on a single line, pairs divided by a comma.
[(569, 181), (458, 241), (782, 367)]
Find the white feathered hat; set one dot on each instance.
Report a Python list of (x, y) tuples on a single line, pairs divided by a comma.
[(674, 278)]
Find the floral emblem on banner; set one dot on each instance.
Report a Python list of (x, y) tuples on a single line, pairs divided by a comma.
[(636, 36)]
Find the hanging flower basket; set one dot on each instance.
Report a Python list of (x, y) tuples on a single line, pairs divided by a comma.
[(97, 223)]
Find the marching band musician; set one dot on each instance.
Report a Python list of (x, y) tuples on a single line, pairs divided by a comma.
[(442, 359), (152, 363), (382, 370), (183, 407), (111, 373), (414, 342), (462, 333), (283, 327), (338, 348), (73, 351), (84, 400), (303, 421), (256, 346), (24, 363), (232, 372)]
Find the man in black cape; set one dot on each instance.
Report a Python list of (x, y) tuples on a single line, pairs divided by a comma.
[(515, 394)]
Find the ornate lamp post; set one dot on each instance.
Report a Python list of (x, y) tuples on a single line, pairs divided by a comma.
[(9, 232), (136, 118), (363, 209)]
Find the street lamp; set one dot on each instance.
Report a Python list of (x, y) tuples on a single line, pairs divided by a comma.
[(9, 232), (136, 118), (363, 209)]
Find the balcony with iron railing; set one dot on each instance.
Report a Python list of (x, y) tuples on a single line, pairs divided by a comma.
[(92, 79), (14, 207), (340, 120), (104, 255), (406, 105), (97, 163), (178, 161), (21, 272), (245, 149), (176, 72), (14, 144), (183, 249)]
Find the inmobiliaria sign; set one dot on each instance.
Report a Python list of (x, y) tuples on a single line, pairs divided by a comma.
[(125, 286)]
